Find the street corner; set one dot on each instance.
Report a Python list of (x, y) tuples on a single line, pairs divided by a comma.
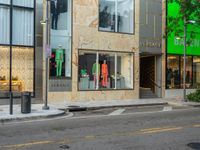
[(36, 113)]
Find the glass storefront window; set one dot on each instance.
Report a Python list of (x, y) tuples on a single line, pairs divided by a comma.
[(188, 76), (4, 1), (173, 72), (105, 70), (24, 3), (23, 27), (5, 25), (60, 62), (22, 69), (116, 16), (124, 71), (4, 70), (196, 72)]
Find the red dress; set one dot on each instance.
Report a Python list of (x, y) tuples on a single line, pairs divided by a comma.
[(104, 71)]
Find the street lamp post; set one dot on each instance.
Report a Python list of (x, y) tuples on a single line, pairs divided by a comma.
[(184, 59), (46, 48)]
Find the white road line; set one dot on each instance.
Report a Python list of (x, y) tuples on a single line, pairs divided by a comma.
[(117, 112), (167, 108)]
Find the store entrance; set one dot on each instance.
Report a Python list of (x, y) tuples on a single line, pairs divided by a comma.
[(147, 77)]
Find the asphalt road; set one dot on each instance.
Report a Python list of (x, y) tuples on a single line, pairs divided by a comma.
[(178, 129)]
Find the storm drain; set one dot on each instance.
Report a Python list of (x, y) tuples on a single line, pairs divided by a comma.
[(64, 146), (74, 108), (195, 146)]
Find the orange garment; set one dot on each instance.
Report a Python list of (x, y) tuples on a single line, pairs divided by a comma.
[(104, 71)]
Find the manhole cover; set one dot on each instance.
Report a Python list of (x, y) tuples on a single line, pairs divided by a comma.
[(195, 146), (64, 147)]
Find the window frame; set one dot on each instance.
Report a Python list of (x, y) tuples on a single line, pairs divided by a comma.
[(180, 68), (108, 51), (11, 45), (113, 31)]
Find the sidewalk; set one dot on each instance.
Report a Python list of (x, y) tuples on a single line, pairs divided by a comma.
[(56, 109), (87, 105), (36, 112)]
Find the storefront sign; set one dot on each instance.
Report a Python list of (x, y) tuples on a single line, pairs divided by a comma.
[(60, 85), (151, 44), (176, 46)]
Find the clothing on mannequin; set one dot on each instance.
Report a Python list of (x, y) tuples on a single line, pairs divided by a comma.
[(94, 70), (57, 7), (105, 18), (104, 71), (59, 60)]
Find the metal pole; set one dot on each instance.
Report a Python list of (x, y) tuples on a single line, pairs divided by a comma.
[(46, 107), (184, 60)]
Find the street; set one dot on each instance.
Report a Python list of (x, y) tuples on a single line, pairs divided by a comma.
[(143, 128)]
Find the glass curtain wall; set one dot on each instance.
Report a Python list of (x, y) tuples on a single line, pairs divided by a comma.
[(21, 46), (116, 16), (105, 70)]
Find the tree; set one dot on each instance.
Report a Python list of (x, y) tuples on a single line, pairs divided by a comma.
[(187, 10)]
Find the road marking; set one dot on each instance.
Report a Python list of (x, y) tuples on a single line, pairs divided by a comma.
[(117, 112), (70, 117), (162, 130), (167, 108), (196, 125), (150, 129), (27, 144), (90, 137)]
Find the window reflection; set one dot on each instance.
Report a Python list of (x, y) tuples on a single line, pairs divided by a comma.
[(116, 16)]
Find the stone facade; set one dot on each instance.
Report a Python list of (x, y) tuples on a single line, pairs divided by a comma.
[(85, 35)]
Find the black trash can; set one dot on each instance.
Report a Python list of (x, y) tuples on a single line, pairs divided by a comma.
[(26, 102)]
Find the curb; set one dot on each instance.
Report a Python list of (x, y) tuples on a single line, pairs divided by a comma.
[(83, 108), (2, 121)]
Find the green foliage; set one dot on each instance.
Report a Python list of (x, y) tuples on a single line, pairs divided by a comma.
[(189, 10), (195, 97)]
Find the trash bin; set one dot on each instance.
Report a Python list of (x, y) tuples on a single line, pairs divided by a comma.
[(25, 102)]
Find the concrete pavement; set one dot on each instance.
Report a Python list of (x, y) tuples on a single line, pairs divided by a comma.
[(60, 109), (36, 112)]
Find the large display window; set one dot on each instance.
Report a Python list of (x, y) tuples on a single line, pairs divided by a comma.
[(23, 27), (22, 68), (174, 74), (116, 16), (5, 25), (188, 75), (4, 69), (60, 61), (105, 70), (5, 1), (196, 71), (17, 58)]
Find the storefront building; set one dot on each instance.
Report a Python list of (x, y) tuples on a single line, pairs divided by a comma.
[(99, 49), (20, 47), (174, 69)]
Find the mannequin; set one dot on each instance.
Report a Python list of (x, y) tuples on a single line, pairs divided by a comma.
[(57, 7), (104, 71), (59, 60), (105, 18), (94, 70)]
